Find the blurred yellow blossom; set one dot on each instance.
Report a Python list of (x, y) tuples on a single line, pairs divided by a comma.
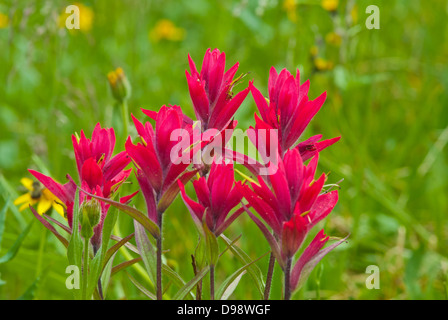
[(314, 50), (330, 5), (166, 30), (290, 7), (4, 20), (321, 64), (333, 38), (86, 16), (119, 84), (39, 195), (354, 14)]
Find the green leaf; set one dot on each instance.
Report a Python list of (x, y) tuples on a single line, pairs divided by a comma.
[(47, 225), (174, 277), (31, 291), (75, 246), (133, 213), (254, 271), (115, 248), (185, 290), (124, 265), (230, 284), (147, 251), (212, 245), (141, 288), (16, 246), (2, 220)]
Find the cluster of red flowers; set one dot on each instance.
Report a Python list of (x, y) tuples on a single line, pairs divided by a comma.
[(288, 200)]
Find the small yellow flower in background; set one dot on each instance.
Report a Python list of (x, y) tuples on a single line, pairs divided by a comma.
[(321, 64), (290, 7), (86, 16), (4, 20), (314, 50), (333, 38), (119, 84), (39, 195), (330, 5), (166, 30), (354, 14)]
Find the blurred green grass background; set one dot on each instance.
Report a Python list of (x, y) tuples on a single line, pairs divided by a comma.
[(387, 98)]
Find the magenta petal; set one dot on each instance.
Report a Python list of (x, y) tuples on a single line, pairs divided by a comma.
[(287, 102), (198, 97), (260, 101), (303, 118), (323, 205), (220, 118), (147, 162), (294, 169), (196, 210), (62, 192), (116, 165), (91, 173), (310, 258), (148, 194)]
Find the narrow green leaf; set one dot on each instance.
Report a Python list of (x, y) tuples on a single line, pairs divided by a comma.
[(147, 251), (2, 220), (230, 284), (124, 265), (133, 213), (141, 288), (75, 246), (115, 248), (47, 225), (185, 290), (254, 271), (16, 246), (31, 291), (212, 245)]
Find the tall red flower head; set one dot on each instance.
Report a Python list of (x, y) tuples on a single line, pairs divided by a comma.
[(217, 196), (159, 164), (292, 205), (211, 90), (99, 172), (289, 111)]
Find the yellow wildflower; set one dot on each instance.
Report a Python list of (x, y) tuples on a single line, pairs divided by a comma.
[(86, 16), (333, 38), (4, 20), (314, 50), (321, 64), (330, 5), (354, 14), (39, 195), (119, 84), (166, 30), (290, 7)]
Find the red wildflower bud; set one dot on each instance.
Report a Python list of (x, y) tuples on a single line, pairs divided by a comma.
[(293, 234)]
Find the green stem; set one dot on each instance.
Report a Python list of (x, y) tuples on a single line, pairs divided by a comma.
[(287, 270), (267, 288), (85, 268), (125, 117), (159, 259), (212, 282)]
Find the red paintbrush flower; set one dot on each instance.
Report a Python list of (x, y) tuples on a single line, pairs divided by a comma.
[(289, 111), (292, 206), (211, 90), (159, 164), (217, 196), (99, 172)]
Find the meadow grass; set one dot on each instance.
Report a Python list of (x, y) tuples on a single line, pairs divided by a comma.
[(386, 98)]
